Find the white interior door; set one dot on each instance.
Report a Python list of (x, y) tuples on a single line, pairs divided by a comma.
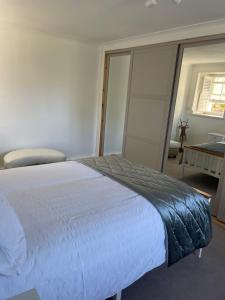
[(151, 87)]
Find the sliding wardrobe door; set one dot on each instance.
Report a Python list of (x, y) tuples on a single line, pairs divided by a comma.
[(151, 89)]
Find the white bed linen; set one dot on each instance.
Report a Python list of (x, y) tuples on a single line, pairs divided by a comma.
[(87, 236), (13, 246)]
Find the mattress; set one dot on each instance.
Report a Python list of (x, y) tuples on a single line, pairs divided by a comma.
[(88, 236), (217, 149)]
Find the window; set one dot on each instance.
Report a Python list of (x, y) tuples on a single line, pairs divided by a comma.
[(210, 95)]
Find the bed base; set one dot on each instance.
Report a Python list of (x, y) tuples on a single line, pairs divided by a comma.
[(202, 162)]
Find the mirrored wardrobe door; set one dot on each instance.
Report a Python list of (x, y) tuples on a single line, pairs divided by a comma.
[(116, 103)]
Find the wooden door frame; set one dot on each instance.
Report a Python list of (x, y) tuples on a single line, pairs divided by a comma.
[(172, 106), (105, 94)]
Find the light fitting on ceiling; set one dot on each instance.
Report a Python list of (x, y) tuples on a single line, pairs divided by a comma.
[(150, 3)]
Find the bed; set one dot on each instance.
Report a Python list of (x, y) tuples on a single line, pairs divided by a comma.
[(205, 158), (88, 234)]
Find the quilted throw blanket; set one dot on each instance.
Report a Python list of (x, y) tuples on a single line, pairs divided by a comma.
[(185, 213)]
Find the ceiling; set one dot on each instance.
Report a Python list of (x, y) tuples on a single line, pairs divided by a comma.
[(106, 20), (204, 54)]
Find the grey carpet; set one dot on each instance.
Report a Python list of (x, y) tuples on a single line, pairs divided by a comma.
[(189, 279)]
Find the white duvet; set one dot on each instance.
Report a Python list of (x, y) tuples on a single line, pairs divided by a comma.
[(88, 237)]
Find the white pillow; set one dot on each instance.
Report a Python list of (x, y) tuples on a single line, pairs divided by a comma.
[(29, 157), (13, 247)]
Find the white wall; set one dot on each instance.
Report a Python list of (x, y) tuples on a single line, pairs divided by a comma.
[(47, 93), (182, 93), (200, 126), (116, 103), (37, 71)]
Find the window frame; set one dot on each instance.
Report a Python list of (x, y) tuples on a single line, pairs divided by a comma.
[(198, 91)]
